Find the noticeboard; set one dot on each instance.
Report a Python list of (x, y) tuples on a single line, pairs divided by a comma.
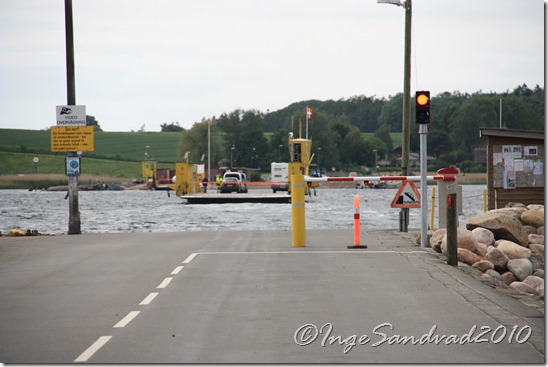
[(72, 139), (518, 166)]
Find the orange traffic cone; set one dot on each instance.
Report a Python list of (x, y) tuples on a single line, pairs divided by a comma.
[(357, 224)]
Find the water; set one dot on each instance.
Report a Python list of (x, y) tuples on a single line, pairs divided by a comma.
[(154, 211)]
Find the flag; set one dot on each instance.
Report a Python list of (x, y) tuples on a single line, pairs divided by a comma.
[(308, 113)]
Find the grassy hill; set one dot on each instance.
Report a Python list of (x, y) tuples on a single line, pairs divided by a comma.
[(129, 146)]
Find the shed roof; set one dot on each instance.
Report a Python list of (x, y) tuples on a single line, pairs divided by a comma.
[(510, 133)]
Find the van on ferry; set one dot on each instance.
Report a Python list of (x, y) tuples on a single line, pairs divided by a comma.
[(234, 182)]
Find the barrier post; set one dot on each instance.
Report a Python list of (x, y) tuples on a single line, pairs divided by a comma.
[(357, 224), (298, 228), (452, 253), (432, 206)]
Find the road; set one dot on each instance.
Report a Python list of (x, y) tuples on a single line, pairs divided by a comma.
[(249, 297)]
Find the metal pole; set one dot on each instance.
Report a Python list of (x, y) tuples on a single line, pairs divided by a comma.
[(406, 118), (423, 131), (209, 150), (74, 213)]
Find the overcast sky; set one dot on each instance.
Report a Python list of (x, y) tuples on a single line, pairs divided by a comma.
[(148, 62)]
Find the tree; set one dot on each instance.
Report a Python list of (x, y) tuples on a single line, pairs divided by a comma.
[(173, 127), (91, 121), (195, 141), (244, 138)]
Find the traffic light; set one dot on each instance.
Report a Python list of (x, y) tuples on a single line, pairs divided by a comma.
[(422, 107)]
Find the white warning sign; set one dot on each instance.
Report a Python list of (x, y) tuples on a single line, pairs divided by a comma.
[(407, 196)]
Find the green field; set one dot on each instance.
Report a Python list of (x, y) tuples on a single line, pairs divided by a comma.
[(109, 145)]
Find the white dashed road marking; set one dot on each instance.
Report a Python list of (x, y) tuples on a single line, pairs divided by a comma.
[(148, 299), (189, 259), (177, 270), (126, 320), (99, 343), (165, 283)]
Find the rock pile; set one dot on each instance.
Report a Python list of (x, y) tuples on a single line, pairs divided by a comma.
[(506, 244)]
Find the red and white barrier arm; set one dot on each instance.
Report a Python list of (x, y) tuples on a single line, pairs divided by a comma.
[(379, 178)]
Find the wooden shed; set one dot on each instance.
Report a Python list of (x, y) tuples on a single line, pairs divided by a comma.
[(515, 166)]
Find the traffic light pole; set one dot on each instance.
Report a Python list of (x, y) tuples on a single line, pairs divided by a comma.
[(423, 132)]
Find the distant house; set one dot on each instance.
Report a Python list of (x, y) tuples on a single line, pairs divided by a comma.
[(515, 166), (414, 158)]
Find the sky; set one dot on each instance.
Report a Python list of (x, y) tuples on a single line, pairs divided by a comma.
[(143, 63)]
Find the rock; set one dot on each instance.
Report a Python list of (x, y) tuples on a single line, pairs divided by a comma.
[(516, 205), (522, 287), (483, 265), (437, 237), (521, 268), (503, 227), (470, 258), (481, 249), (533, 218), (497, 258), (540, 230), (493, 273), (534, 282), (539, 273), (537, 260), (484, 235), (508, 278), (536, 249), (513, 212), (535, 207), (465, 240), (529, 229), (536, 238), (513, 250)]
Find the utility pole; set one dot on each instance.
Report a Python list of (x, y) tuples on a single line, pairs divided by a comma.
[(74, 212), (406, 118)]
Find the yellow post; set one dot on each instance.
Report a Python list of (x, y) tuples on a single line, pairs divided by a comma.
[(298, 229), (432, 206), (484, 200)]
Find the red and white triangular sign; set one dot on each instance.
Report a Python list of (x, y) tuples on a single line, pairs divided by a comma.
[(407, 196)]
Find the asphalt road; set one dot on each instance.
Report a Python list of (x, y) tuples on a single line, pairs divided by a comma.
[(249, 297)]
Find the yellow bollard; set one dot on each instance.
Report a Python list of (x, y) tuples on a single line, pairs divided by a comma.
[(357, 224), (432, 206), (484, 200), (298, 228)]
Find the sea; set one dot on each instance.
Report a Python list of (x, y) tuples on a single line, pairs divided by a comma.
[(157, 211)]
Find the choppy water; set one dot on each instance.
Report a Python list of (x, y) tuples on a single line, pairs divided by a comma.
[(154, 211)]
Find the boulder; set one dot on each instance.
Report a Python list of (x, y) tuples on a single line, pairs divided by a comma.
[(540, 230), (534, 282), (529, 229), (436, 238), (536, 238), (536, 249), (493, 273), (483, 265), (516, 205), (468, 257), (508, 278), (481, 249), (497, 258), (465, 240), (533, 218), (503, 227), (521, 268), (537, 260), (513, 212), (522, 287), (513, 250), (539, 273), (535, 207), (484, 235)]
